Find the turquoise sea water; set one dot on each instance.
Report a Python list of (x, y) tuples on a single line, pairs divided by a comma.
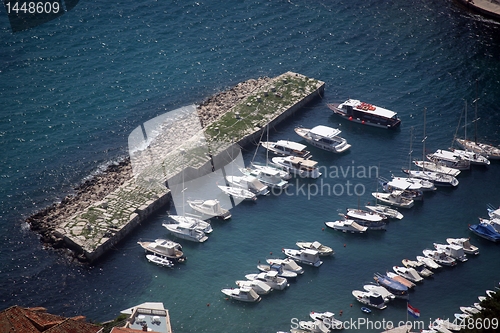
[(73, 89)]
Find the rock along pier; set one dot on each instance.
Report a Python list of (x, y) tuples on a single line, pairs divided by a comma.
[(238, 115)]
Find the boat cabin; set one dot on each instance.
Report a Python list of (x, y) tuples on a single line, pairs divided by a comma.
[(362, 112), (287, 148), (301, 163)]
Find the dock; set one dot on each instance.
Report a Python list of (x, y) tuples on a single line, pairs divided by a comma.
[(159, 164)]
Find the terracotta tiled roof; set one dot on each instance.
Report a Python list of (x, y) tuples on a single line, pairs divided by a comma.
[(35, 320)]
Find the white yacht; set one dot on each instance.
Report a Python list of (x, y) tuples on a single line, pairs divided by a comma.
[(484, 149), (244, 294), (449, 159), (440, 257), (288, 264), (323, 250), (428, 262), (395, 198), (238, 193), (270, 177), (211, 208), (367, 218), (328, 319), (186, 232), (282, 272), (298, 166), (386, 294), (257, 167), (287, 148), (164, 248), (324, 137), (408, 273), (258, 286), (410, 190), (367, 114), (452, 250), (439, 179), (369, 298), (271, 278), (472, 157), (386, 211), (465, 244), (307, 256), (424, 185), (192, 222), (159, 260), (437, 167), (346, 226), (250, 183)]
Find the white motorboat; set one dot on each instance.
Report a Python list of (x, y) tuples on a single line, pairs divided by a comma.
[(493, 212), (346, 226), (439, 179), (386, 294), (258, 167), (316, 326), (250, 183), (369, 219), (472, 157), (449, 159), (287, 148), (161, 261), (436, 167), (370, 298), (440, 257), (324, 137), (481, 298), (400, 279), (298, 166), (210, 208), (465, 244), (269, 177), (418, 266), (469, 310), (386, 211), (323, 250), (395, 198), (238, 193), (454, 251), (428, 262), (462, 317), (164, 248), (490, 293), (328, 318), (288, 264), (307, 256), (424, 185), (408, 273), (243, 294), (478, 306), (192, 222), (258, 286), (440, 325), (186, 232), (366, 114), (282, 272), (271, 278)]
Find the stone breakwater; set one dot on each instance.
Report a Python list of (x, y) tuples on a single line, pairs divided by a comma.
[(107, 207)]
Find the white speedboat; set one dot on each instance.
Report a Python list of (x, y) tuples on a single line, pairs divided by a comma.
[(288, 264), (439, 179), (258, 286), (454, 251), (307, 256), (192, 222), (367, 218), (298, 166), (346, 226), (328, 318), (316, 326), (282, 272), (469, 310), (424, 185), (269, 177), (161, 261), (465, 244), (400, 279), (386, 211), (164, 248), (449, 159), (418, 266), (366, 114), (428, 262), (408, 273), (271, 278), (186, 232), (238, 193), (287, 148), (394, 198), (324, 137), (386, 294), (210, 208), (439, 257), (369, 298), (243, 294), (250, 183), (436, 167), (472, 157), (323, 250)]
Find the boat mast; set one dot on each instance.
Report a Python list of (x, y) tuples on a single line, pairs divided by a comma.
[(475, 116), (423, 145), (411, 151)]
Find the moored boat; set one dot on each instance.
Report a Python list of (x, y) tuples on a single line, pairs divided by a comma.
[(386, 211), (298, 166), (369, 298), (454, 251), (396, 288), (449, 159), (395, 198), (408, 273), (486, 231), (258, 286), (401, 279), (243, 294), (324, 137), (271, 278), (465, 244), (424, 185), (307, 256), (439, 179), (287, 148), (488, 151), (418, 266), (192, 222), (282, 272), (250, 183), (323, 250), (428, 262), (288, 264), (472, 157), (164, 248), (440, 257), (210, 208), (346, 226), (437, 167), (386, 294), (268, 176), (160, 261), (238, 193), (186, 232), (369, 219), (367, 114), (328, 318)]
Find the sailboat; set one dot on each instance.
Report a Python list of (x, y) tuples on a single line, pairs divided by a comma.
[(488, 151), (439, 179)]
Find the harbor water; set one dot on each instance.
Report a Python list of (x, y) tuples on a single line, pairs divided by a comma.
[(73, 89)]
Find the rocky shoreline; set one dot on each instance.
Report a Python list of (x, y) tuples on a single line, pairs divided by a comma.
[(46, 221)]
